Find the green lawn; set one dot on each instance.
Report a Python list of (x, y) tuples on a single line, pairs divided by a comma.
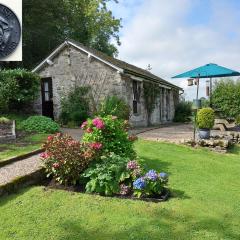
[(205, 206), (27, 144)]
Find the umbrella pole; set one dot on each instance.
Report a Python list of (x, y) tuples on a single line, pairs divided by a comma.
[(210, 95), (195, 117)]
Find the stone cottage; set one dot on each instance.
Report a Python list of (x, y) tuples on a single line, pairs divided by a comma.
[(73, 64)]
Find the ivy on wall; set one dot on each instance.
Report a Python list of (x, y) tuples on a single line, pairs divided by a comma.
[(151, 92)]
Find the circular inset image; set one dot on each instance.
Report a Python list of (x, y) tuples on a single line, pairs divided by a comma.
[(10, 31)]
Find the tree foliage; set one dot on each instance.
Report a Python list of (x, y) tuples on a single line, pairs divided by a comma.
[(18, 88), (226, 97), (46, 24)]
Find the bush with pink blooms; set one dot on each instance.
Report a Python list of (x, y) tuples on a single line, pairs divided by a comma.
[(65, 159), (110, 135)]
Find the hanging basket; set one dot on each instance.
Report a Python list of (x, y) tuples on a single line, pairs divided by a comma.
[(190, 82)]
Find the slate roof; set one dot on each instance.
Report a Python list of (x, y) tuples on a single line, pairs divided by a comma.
[(128, 68)]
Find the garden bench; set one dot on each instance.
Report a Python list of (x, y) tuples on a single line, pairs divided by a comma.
[(223, 124)]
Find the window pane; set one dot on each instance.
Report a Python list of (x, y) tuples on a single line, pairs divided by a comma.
[(46, 86), (135, 107), (47, 96)]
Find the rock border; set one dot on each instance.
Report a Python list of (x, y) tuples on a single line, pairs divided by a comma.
[(21, 182), (20, 157)]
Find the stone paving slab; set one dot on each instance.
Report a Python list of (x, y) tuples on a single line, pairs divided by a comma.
[(19, 169)]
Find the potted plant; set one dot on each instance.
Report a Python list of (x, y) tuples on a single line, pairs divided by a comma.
[(205, 122)]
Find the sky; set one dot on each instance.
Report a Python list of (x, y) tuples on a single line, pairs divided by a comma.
[(175, 36)]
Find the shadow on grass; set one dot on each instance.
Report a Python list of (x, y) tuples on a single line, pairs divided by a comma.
[(175, 193), (156, 164), (159, 224), (235, 149)]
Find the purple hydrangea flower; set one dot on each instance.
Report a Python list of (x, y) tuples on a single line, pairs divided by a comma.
[(152, 175), (163, 175), (139, 183)]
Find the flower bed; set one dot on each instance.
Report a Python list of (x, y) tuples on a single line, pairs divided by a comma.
[(103, 163)]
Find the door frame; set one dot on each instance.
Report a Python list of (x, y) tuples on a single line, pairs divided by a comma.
[(47, 92)]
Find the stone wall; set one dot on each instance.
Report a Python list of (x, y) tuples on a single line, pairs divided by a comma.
[(73, 67)]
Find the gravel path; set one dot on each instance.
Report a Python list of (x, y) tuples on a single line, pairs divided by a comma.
[(18, 169)]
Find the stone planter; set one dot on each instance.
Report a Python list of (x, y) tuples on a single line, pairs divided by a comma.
[(7, 132), (204, 133)]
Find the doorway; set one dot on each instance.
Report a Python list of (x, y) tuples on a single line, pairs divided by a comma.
[(47, 97)]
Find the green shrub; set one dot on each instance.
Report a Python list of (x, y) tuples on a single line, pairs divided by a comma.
[(18, 88), (205, 118), (183, 112), (105, 176), (110, 134), (4, 120), (238, 120), (65, 159), (114, 106), (39, 124), (75, 107), (225, 97)]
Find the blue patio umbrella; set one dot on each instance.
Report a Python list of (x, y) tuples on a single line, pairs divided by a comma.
[(210, 70)]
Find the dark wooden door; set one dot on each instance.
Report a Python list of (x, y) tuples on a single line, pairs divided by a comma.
[(47, 97)]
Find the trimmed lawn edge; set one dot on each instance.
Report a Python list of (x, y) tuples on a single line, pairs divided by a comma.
[(20, 157), (18, 183)]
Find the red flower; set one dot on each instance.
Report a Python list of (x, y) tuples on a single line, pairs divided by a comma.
[(50, 138), (96, 145), (44, 155)]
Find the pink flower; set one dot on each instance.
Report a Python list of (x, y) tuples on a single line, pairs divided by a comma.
[(56, 165), (132, 165), (44, 155), (96, 145), (50, 138), (84, 124), (89, 130), (98, 123)]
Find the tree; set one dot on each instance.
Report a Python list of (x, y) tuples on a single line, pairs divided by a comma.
[(18, 89), (46, 24), (226, 97)]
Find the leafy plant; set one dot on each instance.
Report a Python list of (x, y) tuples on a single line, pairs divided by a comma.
[(226, 98), (183, 112), (114, 106), (65, 159), (205, 118), (110, 134), (238, 120), (151, 92), (4, 120), (151, 184), (105, 176), (18, 88), (75, 107), (39, 124)]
